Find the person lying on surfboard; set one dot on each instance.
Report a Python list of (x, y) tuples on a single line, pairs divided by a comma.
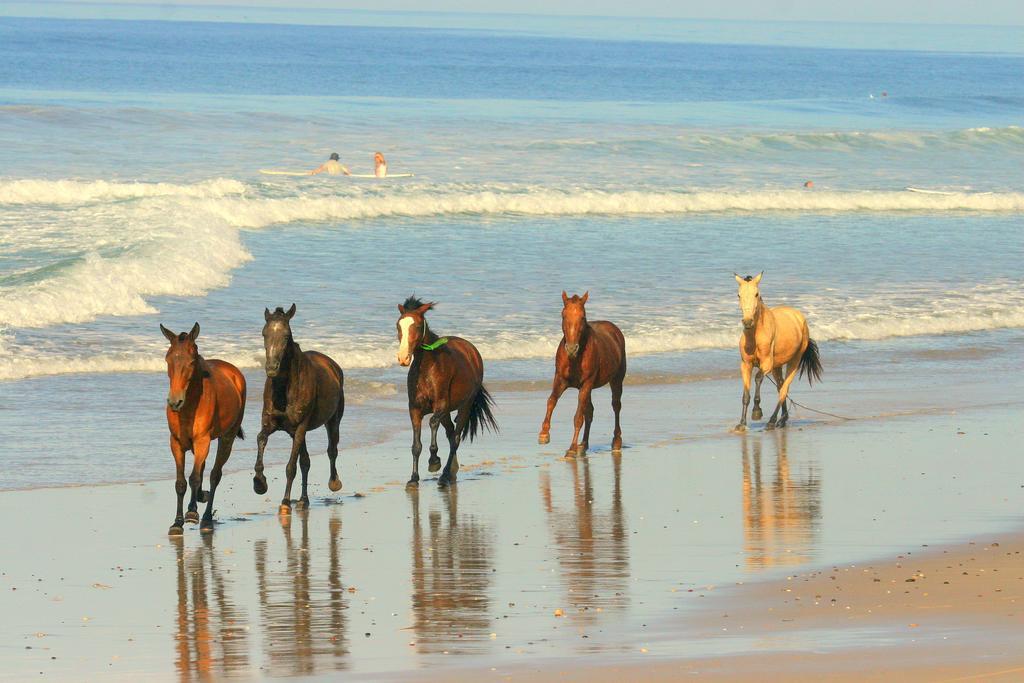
[(380, 167), (332, 166)]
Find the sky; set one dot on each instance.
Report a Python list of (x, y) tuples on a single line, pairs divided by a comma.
[(991, 12)]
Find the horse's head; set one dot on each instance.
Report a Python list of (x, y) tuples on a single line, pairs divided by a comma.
[(750, 298), (182, 360), (574, 321), (277, 337), (412, 327)]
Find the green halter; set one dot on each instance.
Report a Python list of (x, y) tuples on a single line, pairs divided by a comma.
[(436, 345)]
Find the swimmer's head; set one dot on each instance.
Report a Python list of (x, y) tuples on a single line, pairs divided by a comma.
[(809, 183), (334, 156), (378, 157)]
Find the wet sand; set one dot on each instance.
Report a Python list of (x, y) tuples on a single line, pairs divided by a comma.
[(538, 567)]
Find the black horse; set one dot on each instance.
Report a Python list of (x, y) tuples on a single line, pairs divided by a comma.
[(304, 390)]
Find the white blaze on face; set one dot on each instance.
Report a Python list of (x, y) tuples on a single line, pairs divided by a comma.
[(404, 353)]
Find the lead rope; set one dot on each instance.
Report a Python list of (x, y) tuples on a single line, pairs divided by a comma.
[(813, 410)]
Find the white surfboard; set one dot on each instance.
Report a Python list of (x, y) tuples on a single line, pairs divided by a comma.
[(943, 192), (266, 171)]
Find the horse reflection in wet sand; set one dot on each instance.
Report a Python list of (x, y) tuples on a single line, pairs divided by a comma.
[(302, 600), (781, 511), (206, 401), (590, 355), (591, 546), (445, 374), (212, 637), (452, 563), (304, 390), (772, 338)]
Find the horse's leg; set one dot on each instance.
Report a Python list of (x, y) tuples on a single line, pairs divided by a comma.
[(298, 442), (745, 369), (416, 417), (581, 413), (200, 449), (791, 369), (756, 414), (259, 482), (451, 468), (434, 463), (557, 388), (180, 486), (588, 418), (333, 437), (224, 445), (303, 502), (616, 385)]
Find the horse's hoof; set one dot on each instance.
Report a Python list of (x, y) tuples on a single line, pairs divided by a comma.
[(284, 509), (334, 484), (259, 485), (302, 504), (770, 427), (740, 428), (617, 447), (543, 439), (206, 526), (575, 452), (175, 530), (412, 484), (201, 496), (191, 516), (756, 414), (434, 464), (444, 481)]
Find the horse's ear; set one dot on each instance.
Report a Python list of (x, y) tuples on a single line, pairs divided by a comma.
[(401, 309), (194, 332), (266, 314), (171, 337), (738, 278), (565, 298), (758, 278), (291, 312), (586, 295), (425, 307)]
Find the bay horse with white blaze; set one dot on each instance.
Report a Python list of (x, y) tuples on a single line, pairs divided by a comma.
[(590, 355), (206, 401), (772, 338), (445, 374), (304, 390)]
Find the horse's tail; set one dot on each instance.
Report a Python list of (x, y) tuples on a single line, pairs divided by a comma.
[(480, 415), (810, 363)]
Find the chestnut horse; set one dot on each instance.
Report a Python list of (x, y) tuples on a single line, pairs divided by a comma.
[(445, 374), (304, 390), (206, 401), (590, 355), (772, 338)]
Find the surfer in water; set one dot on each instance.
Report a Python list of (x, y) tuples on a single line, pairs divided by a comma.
[(332, 167), (380, 167)]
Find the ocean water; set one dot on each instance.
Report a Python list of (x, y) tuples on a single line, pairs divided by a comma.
[(645, 165)]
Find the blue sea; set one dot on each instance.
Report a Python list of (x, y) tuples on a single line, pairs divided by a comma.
[(643, 161)]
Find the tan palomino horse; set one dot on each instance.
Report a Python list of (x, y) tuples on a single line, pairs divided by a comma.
[(206, 401), (773, 338)]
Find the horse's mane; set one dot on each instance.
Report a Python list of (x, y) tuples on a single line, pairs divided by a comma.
[(279, 312), (413, 302), (748, 278)]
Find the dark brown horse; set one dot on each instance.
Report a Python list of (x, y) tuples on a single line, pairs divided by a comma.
[(206, 401), (304, 390), (589, 356), (445, 374)]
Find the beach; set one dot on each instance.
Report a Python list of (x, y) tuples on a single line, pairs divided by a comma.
[(716, 554), (872, 173)]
